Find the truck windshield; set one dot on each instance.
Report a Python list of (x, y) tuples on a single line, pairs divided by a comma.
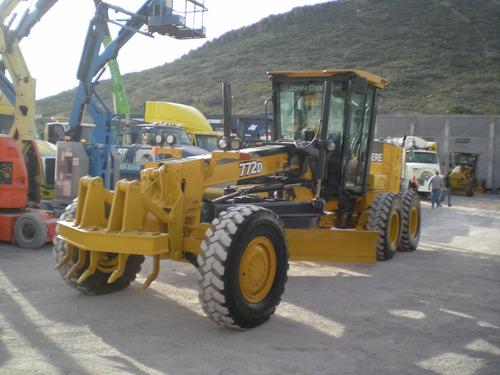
[(207, 142), (421, 157)]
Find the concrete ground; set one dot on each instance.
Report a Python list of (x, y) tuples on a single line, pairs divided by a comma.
[(433, 311)]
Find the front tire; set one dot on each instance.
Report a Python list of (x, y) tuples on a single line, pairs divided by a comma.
[(97, 283), (385, 218), (243, 267)]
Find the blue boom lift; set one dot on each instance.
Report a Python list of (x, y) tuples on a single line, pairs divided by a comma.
[(99, 158)]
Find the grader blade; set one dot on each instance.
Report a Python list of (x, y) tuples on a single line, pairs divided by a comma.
[(324, 245)]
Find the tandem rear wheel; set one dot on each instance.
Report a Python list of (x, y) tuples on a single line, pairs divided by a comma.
[(385, 217), (470, 187), (397, 219), (411, 221)]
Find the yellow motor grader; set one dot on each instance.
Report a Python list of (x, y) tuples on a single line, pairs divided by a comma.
[(463, 176), (319, 190)]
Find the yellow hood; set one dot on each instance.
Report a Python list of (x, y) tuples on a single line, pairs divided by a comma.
[(190, 118)]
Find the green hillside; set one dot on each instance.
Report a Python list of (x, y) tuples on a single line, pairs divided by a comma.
[(441, 56)]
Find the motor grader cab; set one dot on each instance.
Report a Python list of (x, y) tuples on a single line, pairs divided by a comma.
[(319, 190), (463, 176)]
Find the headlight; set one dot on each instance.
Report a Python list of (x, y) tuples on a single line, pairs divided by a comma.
[(330, 146), (235, 143), (158, 138), (222, 143), (170, 139)]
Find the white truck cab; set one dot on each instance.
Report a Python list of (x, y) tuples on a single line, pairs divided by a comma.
[(421, 162), (420, 166)]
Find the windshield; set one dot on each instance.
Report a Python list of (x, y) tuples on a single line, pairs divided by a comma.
[(55, 133), (87, 134), (6, 122), (181, 135), (300, 108), (466, 159), (207, 142), (300, 105), (421, 157)]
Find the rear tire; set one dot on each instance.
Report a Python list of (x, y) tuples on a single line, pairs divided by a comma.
[(30, 231), (470, 188), (243, 267), (385, 218), (97, 283), (410, 235)]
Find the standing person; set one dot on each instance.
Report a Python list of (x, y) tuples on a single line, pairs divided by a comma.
[(436, 183), (446, 191)]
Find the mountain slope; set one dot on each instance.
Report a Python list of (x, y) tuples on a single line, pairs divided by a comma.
[(441, 56)]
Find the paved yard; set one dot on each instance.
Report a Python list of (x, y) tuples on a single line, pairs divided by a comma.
[(433, 311)]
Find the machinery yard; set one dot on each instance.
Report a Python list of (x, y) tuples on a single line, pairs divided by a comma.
[(432, 311), (285, 242)]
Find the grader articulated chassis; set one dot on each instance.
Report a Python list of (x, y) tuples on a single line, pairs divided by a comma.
[(319, 190)]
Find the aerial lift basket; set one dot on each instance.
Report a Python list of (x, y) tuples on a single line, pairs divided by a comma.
[(185, 24)]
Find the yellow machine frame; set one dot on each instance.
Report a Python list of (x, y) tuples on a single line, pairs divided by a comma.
[(159, 216)]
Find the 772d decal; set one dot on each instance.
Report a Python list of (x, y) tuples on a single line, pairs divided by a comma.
[(249, 168)]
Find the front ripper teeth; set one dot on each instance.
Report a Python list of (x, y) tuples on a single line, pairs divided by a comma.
[(154, 273), (92, 265), (122, 261), (94, 258), (79, 264)]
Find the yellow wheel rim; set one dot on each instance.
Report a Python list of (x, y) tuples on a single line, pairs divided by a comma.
[(257, 269), (393, 229), (413, 222), (105, 264)]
